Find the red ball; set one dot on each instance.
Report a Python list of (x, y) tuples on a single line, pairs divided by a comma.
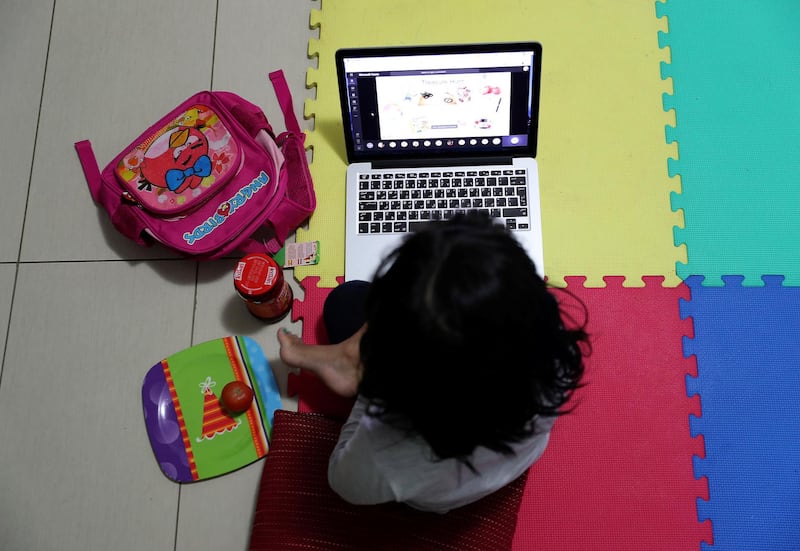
[(237, 397)]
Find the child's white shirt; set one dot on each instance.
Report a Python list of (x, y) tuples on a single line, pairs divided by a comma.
[(376, 463)]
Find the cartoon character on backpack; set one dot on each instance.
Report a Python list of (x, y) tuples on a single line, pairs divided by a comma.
[(177, 160)]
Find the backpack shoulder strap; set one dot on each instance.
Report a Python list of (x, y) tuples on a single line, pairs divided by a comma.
[(91, 170), (299, 200), (285, 101), (122, 216), (250, 116)]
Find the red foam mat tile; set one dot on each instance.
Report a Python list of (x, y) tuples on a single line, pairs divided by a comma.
[(617, 474), (312, 395)]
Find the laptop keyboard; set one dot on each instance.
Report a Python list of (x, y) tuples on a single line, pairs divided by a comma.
[(392, 201)]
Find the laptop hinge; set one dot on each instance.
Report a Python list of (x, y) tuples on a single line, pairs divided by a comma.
[(441, 161)]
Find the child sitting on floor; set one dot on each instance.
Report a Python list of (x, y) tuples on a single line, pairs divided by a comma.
[(460, 362)]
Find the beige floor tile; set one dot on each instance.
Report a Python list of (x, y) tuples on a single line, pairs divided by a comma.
[(217, 514), (256, 37), (115, 67), (220, 312), (7, 273), (24, 33), (77, 468)]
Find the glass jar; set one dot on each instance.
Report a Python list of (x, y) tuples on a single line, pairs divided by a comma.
[(259, 281)]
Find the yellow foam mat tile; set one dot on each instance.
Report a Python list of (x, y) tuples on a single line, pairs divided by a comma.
[(602, 152)]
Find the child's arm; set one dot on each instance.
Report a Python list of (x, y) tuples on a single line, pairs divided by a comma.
[(352, 470)]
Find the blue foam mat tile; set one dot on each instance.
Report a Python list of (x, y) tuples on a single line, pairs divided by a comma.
[(747, 346)]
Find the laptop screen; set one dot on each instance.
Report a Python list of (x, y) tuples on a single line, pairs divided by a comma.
[(440, 101)]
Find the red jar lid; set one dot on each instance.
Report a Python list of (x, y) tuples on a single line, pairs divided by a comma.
[(256, 276)]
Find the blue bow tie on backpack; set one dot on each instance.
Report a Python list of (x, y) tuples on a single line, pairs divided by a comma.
[(175, 177)]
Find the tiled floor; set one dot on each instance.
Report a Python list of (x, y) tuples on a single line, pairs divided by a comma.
[(83, 312)]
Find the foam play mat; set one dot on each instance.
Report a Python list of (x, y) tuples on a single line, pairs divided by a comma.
[(193, 436), (617, 473), (312, 395), (602, 155), (670, 206), (745, 343), (735, 66), (737, 125)]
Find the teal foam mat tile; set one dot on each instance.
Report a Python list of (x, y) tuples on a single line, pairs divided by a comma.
[(735, 69)]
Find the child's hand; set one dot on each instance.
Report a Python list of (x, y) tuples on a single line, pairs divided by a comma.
[(337, 365)]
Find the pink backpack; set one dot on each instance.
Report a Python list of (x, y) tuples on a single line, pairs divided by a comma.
[(207, 177)]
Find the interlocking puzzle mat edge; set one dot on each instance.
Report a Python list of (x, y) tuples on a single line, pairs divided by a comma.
[(312, 395)]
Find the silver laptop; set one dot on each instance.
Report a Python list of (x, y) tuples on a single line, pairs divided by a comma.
[(432, 131)]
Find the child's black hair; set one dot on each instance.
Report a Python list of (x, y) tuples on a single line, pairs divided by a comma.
[(465, 344)]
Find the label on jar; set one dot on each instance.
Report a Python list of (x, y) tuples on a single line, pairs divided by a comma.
[(237, 274), (272, 273), (273, 308)]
